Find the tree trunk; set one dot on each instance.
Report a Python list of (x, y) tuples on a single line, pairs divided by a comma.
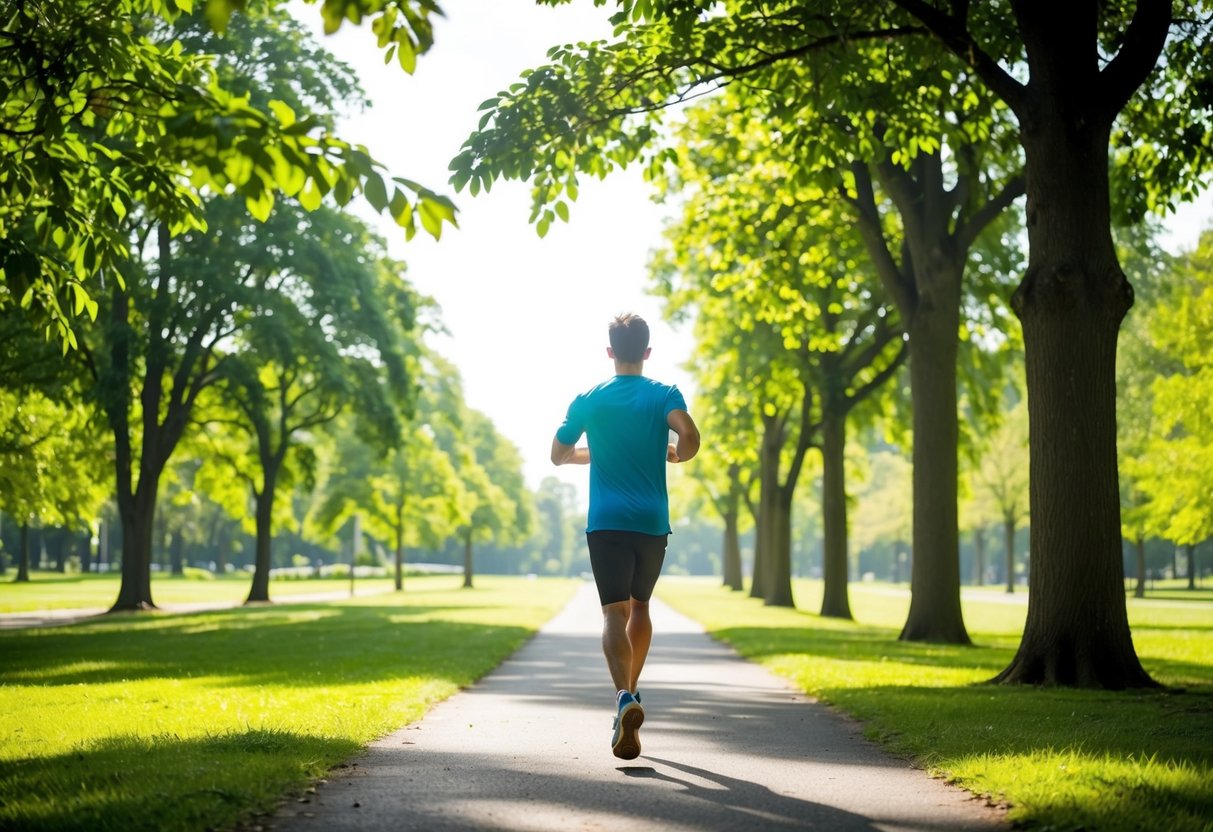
[(264, 511), (1139, 547), (979, 556), (176, 552), (779, 588), (834, 601), (768, 488), (1008, 533), (137, 514), (1191, 550), (400, 546), (731, 545), (62, 540), (467, 559), (1071, 303), (86, 550), (935, 613), (23, 555)]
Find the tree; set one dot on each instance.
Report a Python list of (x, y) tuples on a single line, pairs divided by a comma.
[(1083, 69), (1175, 473), (321, 326), (555, 512), (105, 115)]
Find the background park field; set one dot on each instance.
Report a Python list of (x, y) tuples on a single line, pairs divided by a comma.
[(190, 721)]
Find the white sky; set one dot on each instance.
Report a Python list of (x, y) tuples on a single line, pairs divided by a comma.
[(527, 316)]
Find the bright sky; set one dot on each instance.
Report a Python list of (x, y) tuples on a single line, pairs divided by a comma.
[(527, 316)]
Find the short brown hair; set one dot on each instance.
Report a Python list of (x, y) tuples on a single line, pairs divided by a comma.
[(629, 336)]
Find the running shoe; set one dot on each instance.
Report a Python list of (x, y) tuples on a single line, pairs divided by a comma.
[(625, 743)]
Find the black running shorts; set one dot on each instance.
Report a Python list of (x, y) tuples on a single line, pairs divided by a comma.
[(625, 564)]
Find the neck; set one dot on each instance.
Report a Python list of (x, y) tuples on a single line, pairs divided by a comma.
[(626, 368)]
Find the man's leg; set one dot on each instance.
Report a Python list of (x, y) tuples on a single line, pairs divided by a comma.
[(616, 643), (640, 636)]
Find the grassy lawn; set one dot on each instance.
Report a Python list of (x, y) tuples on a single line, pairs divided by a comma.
[(195, 721), (53, 591), (1062, 759)]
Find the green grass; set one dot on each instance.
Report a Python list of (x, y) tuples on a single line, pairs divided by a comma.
[(196, 721), (54, 591), (1062, 759)]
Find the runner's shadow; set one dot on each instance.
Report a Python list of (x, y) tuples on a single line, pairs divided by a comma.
[(751, 800)]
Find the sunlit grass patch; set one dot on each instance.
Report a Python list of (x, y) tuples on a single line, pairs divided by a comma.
[(1062, 759), (189, 721)]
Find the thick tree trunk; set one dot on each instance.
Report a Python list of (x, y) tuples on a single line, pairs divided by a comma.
[(137, 515), (1139, 546), (23, 555), (979, 556), (467, 559), (935, 613), (779, 589), (768, 488), (835, 601), (1008, 534), (1071, 303)]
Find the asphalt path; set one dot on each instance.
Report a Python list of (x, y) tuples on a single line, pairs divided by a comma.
[(726, 745)]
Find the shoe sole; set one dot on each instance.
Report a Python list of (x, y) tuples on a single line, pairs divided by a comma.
[(628, 745)]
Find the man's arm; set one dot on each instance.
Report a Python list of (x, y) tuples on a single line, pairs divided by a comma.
[(688, 436), (563, 454)]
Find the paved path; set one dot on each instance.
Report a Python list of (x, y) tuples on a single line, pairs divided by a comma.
[(726, 746)]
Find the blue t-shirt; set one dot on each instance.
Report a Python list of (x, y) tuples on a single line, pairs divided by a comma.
[(624, 420)]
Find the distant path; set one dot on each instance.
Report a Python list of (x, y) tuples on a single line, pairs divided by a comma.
[(55, 618), (726, 746)]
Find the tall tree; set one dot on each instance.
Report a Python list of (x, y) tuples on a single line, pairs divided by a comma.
[(1079, 72)]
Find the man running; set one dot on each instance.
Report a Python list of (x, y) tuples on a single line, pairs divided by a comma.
[(626, 421)]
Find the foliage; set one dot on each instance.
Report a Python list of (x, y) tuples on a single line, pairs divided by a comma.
[(1178, 458), (105, 114)]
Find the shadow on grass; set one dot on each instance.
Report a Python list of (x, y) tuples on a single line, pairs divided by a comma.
[(298, 644), (203, 783)]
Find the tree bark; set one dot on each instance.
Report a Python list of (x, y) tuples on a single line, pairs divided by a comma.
[(467, 559), (176, 553), (1070, 303), (1191, 550), (779, 589), (400, 546), (731, 544), (979, 556), (23, 555), (768, 487), (264, 518), (1008, 534), (1139, 547), (835, 602), (935, 613)]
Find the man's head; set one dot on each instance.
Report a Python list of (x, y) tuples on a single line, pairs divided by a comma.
[(629, 336)]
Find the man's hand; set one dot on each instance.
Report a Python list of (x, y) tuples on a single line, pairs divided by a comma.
[(671, 454)]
